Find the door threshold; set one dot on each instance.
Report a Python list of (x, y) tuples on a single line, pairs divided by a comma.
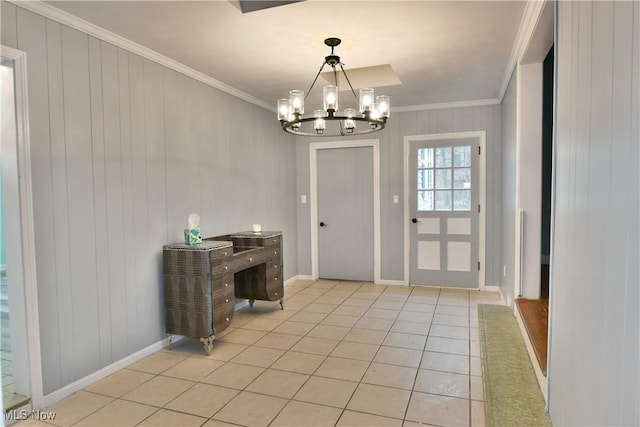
[(532, 316), (13, 400)]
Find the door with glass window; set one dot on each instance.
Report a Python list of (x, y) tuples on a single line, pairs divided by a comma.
[(444, 212)]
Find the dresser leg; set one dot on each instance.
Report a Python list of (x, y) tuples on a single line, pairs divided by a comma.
[(281, 304), (251, 301), (207, 344), (169, 341)]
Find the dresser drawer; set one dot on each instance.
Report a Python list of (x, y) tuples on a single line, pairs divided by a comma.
[(223, 286), (273, 268), (222, 317), (274, 287), (273, 253), (221, 254), (221, 269), (272, 241), (244, 260)]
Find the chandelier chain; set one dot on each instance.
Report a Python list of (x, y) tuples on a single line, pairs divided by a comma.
[(314, 80), (348, 81)]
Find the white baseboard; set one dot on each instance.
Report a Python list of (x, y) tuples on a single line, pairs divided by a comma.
[(392, 282), (298, 277), (69, 389), (492, 289)]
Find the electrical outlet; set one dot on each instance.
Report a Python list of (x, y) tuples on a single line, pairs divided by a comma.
[(303, 199), (396, 199)]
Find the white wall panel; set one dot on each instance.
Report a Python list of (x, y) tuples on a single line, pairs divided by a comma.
[(122, 151), (594, 367)]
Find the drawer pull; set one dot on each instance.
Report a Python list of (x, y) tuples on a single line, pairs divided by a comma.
[(226, 267), (225, 254), (226, 285), (250, 259), (276, 294), (275, 266), (226, 300), (275, 252), (275, 278), (226, 319)]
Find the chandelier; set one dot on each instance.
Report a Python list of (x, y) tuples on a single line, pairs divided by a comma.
[(371, 115)]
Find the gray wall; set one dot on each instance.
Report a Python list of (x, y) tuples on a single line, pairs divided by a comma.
[(391, 182), (508, 180), (123, 150), (594, 361)]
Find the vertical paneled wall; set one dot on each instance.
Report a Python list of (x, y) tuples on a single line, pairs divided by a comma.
[(594, 350), (508, 180), (122, 150), (392, 218)]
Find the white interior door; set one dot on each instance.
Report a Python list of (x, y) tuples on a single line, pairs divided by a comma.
[(345, 213), (444, 206)]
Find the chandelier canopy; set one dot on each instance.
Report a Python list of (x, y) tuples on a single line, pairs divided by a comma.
[(371, 116)]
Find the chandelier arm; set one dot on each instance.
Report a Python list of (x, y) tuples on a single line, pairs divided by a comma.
[(314, 80), (349, 82)]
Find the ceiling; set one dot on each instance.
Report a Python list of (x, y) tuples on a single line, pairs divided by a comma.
[(441, 51)]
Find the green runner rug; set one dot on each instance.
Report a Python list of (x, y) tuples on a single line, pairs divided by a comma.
[(511, 393)]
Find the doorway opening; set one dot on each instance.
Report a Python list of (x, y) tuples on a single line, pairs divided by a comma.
[(535, 312), (13, 393)]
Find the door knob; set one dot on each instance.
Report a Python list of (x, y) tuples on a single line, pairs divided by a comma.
[(322, 224), (414, 220)]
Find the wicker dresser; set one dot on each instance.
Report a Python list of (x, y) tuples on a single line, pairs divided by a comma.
[(198, 290), (202, 281)]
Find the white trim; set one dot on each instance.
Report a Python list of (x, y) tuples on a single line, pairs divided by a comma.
[(493, 289), (445, 105), (313, 172), (532, 12), (391, 282), (298, 277), (482, 138), (83, 382), (26, 218), (86, 27)]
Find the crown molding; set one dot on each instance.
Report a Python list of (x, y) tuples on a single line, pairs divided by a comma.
[(445, 105), (86, 27), (530, 18)]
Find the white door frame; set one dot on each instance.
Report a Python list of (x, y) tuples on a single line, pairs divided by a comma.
[(482, 137), (26, 216), (313, 170)]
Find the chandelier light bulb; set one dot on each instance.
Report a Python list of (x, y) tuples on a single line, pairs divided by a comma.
[(297, 101), (366, 99), (374, 115), (319, 124), (384, 106), (349, 123), (330, 96), (284, 108)]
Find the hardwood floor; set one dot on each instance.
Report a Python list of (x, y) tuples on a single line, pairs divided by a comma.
[(535, 316)]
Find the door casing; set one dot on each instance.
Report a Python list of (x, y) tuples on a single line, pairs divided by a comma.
[(481, 136), (29, 291), (313, 170)]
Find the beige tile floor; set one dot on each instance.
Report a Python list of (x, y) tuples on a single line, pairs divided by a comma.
[(339, 354)]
